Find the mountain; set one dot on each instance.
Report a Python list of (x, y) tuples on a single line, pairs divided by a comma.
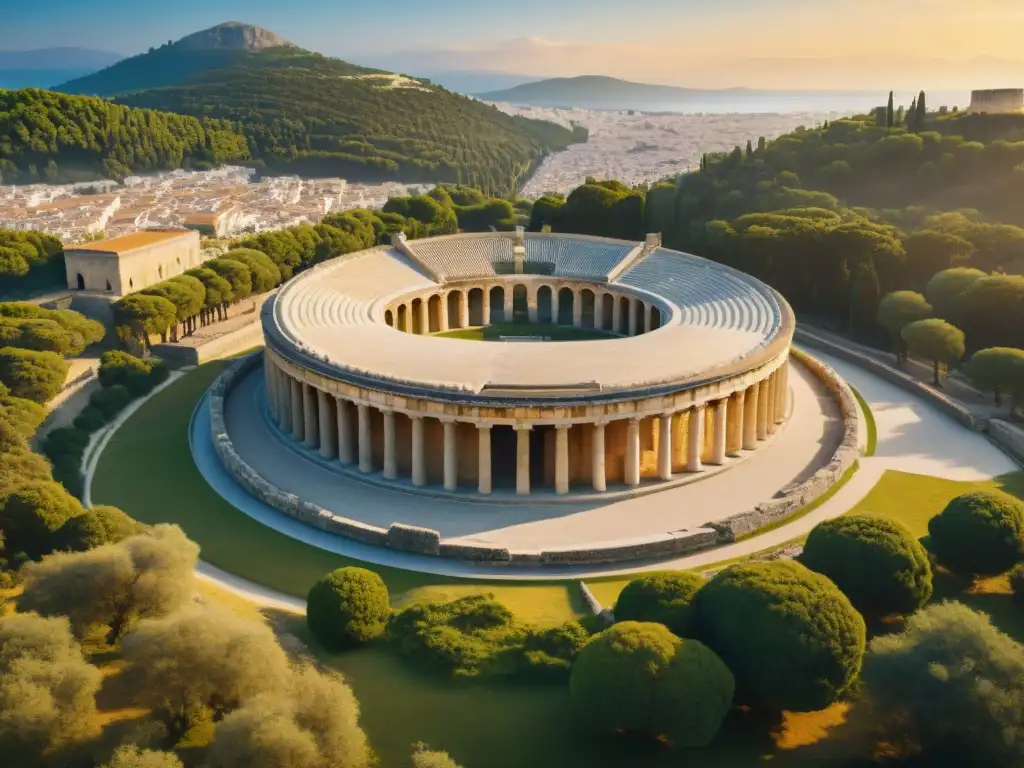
[(305, 113), (473, 81), (45, 67), (599, 92)]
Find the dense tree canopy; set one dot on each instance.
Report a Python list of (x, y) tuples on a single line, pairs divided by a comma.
[(935, 340), (640, 678), (36, 376), (792, 639), (32, 512)]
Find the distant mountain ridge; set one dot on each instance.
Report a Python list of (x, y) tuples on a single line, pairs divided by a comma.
[(597, 92)]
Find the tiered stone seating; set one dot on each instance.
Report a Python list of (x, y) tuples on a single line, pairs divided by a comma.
[(580, 259), (345, 289), (708, 294), (462, 257)]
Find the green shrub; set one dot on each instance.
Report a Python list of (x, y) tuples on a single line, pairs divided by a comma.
[(877, 563), (978, 533), (1017, 583), (24, 415), (22, 466), (549, 653), (640, 678), (95, 527), (792, 639), (89, 420), (65, 447), (35, 376), (31, 513), (138, 376), (664, 598), (110, 401), (348, 607)]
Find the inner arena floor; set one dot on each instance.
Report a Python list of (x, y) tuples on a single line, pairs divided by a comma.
[(807, 441)]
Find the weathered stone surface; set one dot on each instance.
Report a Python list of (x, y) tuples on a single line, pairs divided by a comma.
[(1008, 437), (478, 552), (410, 538)]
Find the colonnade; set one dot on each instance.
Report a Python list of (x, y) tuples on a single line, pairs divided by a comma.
[(402, 444), (524, 302)]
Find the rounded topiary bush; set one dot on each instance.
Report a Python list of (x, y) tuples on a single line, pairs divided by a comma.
[(663, 598), (978, 534), (347, 607), (95, 527), (790, 636), (877, 563), (640, 678), (31, 513)]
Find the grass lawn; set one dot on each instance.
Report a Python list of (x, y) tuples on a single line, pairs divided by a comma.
[(551, 332), (147, 471)]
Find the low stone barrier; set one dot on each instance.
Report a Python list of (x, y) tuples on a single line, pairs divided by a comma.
[(798, 496), (426, 541), (1007, 436)]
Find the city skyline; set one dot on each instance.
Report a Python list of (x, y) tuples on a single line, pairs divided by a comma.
[(839, 44)]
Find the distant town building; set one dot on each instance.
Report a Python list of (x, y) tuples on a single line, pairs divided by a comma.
[(131, 262), (998, 101)]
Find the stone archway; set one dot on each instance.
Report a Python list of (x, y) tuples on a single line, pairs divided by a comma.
[(520, 305), (655, 318), (544, 306), (607, 312), (475, 297), (417, 316), (389, 318), (624, 307), (452, 308), (403, 318), (497, 295), (81, 282), (434, 306), (640, 312), (587, 301)]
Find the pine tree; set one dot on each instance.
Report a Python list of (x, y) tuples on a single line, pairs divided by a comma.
[(890, 115), (864, 297)]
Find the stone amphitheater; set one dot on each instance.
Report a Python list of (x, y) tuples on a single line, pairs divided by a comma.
[(372, 404)]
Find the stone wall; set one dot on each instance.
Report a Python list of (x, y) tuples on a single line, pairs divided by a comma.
[(1007, 436), (425, 541)]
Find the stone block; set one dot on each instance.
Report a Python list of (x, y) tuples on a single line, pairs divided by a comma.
[(483, 553), (411, 538)]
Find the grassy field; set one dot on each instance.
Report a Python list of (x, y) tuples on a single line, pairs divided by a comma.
[(551, 332)]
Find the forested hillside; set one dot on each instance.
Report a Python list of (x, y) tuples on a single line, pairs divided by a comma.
[(52, 137), (313, 115)]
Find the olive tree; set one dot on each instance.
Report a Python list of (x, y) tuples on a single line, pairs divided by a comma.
[(877, 563), (265, 273), (314, 725), (31, 513), (999, 370), (200, 665), (954, 684), (47, 690), (36, 376), (790, 636), (139, 316), (640, 678), (936, 340), (897, 310), (978, 533), (348, 607), (131, 756), (115, 585), (663, 598)]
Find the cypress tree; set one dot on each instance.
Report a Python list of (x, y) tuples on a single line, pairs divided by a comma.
[(890, 115), (921, 113), (761, 145), (750, 149)]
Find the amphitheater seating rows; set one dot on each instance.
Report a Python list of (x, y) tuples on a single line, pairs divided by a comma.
[(347, 288), (708, 294), (460, 258), (581, 259)]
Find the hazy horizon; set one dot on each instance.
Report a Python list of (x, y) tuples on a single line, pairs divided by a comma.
[(792, 45)]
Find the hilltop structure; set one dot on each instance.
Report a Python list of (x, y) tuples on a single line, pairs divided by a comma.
[(131, 262), (998, 101)]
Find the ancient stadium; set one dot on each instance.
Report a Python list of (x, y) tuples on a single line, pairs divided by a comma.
[(531, 398)]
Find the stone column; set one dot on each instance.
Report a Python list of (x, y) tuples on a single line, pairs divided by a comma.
[(443, 319), (597, 466), (484, 459), (616, 314), (561, 460), (772, 382), (509, 309), (598, 311), (463, 309), (695, 439), (419, 456), (720, 447), (365, 444), (451, 458), (312, 426), (648, 325), (735, 416), (268, 386), (485, 318), (750, 418), (632, 317), (390, 447), (425, 317), (523, 461), (782, 394), (577, 309), (346, 454), (328, 438), (286, 403), (762, 410), (632, 473), (298, 419), (554, 306), (665, 446)]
